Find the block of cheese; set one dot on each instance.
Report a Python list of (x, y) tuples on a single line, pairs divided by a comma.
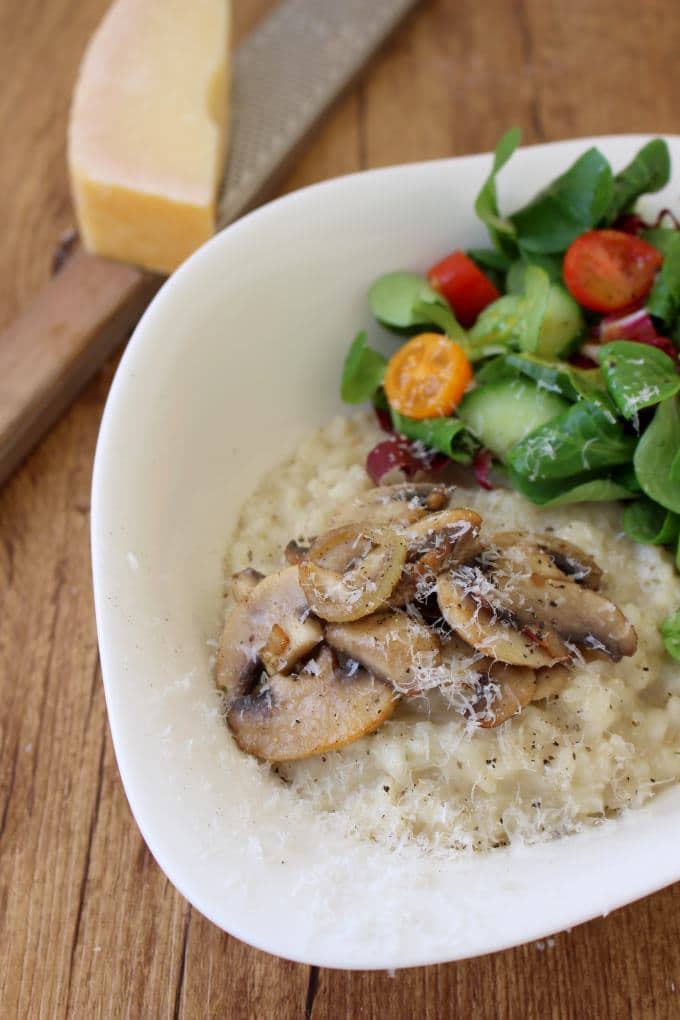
[(148, 129)]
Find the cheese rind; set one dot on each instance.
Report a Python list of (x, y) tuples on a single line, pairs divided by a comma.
[(148, 129)]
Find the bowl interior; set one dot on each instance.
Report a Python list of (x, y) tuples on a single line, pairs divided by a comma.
[(238, 358)]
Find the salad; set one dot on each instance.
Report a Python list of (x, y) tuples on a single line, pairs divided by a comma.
[(548, 361)]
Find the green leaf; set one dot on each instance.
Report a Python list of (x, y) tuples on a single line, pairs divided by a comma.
[(637, 375), (650, 524), (499, 323), (392, 299), (661, 238), (536, 294), (582, 488), (648, 171), (514, 319), (674, 473), (441, 315), (664, 297), (363, 372), (582, 439), (670, 633), (435, 433), (571, 204), (498, 369), (626, 477), (489, 258), (563, 378), (550, 264), (501, 231), (656, 453)]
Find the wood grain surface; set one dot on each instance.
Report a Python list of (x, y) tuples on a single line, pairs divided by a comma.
[(89, 926)]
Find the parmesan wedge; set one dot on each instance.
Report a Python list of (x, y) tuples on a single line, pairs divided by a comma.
[(148, 129)]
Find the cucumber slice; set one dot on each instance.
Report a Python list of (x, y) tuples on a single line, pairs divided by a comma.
[(562, 323), (502, 413)]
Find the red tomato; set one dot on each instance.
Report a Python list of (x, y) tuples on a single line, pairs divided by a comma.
[(607, 270), (464, 286)]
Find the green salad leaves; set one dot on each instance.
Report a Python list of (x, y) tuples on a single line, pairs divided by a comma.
[(562, 430)]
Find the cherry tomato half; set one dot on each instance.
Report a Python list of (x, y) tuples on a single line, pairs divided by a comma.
[(607, 270), (464, 286), (427, 377)]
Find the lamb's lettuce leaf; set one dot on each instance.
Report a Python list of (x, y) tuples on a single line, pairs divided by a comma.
[(637, 375), (501, 230), (664, 298), (363, 372), (442, 434), (656, 454), (574, 202), (648, 171), (651, 524), (582, 439), (582, 488), (670, 633)]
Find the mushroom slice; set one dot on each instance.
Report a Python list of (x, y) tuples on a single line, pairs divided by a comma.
[(310, 712), (243, 582), (436, 543), (505, 691), (579, 614), (351, 571), (472, 606), (547, 555), (392, 646), (277, 601), (398, 505), (294, 551), (550, 681)]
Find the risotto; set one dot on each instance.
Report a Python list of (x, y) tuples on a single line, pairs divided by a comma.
[(608, 741)]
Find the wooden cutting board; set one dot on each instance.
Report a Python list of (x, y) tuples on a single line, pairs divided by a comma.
[(89, 925), (312, 50)]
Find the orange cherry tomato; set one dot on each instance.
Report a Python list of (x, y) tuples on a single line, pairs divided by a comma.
[(464, 286), (607, 270), (427, 377)]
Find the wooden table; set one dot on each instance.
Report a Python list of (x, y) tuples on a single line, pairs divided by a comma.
[(89, 926)]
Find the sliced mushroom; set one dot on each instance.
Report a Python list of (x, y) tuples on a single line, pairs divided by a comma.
[(579, 614), (547, 555), (550, 681), (472, 606), (351, 571), (295, 551), (310, 712), (243, 582), (505, 691), (393, 646), (277, 601), (398, 505), (434, 544)]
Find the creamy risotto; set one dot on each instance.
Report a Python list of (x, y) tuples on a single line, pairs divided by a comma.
[(608, 741)]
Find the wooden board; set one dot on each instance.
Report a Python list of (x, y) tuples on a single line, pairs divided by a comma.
[(88, 924)]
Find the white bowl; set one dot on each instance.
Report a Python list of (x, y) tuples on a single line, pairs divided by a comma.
[(238, 357)]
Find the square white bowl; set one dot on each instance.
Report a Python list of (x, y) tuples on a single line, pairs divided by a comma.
[(238, 357)]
